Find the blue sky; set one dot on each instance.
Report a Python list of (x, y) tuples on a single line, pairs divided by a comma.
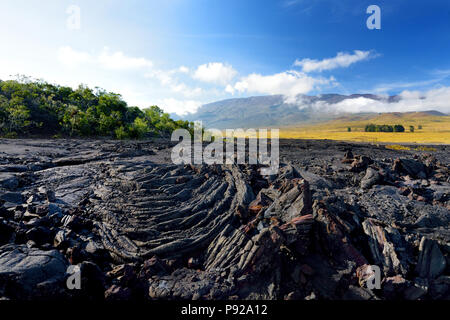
[(180, 54)]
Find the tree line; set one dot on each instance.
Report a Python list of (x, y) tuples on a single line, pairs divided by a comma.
[(387, 128), (37, 108), (384, 128)]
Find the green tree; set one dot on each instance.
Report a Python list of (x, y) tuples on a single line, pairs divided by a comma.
[(108, 123), (370, 128), (18, 118), (35, 107), (138, 129)]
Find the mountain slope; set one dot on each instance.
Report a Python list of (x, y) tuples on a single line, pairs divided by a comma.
[(268, 111), (273, 111)]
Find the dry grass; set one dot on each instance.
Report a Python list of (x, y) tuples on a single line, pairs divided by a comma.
[(435, 130), (397, 147)]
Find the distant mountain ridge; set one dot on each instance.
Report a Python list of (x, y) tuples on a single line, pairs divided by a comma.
[(273, 111)]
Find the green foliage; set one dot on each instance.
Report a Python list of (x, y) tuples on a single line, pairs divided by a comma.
[(121, 133), (10, 135), (37, 108), (419, 127), (383, 128), (370, 127), (349, 129), (411, 128)]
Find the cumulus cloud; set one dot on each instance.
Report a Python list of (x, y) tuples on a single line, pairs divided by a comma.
[(180, 107), (119, 61), (71, 57), (409, 101), (186, 90), (106, 59), (167, 79), (215, 72), (183, 69), (289, 83), (342, 60)]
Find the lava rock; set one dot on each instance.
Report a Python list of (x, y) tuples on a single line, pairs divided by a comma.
[(371, 178), (8, 181), (23, 269), (6, 231), (153, 266), (117, 293), (432, 262), (411, 167), (385, 244), (39, 234)]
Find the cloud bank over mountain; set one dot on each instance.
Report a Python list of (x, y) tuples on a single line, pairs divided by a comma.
[(277, 110), (407, 101)]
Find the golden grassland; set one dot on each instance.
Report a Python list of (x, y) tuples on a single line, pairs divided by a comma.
[(435, 129), (402, 147)]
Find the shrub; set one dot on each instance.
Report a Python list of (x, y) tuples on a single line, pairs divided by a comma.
[(397, 147), (121, 133)]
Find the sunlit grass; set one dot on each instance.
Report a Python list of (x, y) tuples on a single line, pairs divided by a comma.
[(397, 147), (435, 130)]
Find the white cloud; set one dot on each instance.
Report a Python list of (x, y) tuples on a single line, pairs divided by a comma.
[(410, 101), (119, 61), (186, 90), (180, 107), (168, 81), (164, 77), (386, 87), (288, 83), (215, 72), (71, 57), (229, 89), (183, 69), (289, 3), (106, 59), (341, 60)]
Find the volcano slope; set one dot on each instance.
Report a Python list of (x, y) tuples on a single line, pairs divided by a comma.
[(141, 228)]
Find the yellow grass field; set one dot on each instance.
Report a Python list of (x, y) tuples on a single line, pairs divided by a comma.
[(435, 129)]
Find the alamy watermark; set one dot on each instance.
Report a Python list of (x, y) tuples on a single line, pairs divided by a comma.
[(374, 20), (74, 280), (374, 279), (221, 148), (73, 21)]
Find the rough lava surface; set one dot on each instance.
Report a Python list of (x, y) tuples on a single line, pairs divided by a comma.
[(141, 228)]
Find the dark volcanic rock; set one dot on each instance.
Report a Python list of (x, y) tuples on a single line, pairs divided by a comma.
[(8, 181), (411, 167), (6, 231), (387, 247), (372, 177), (23, 270), (142, 228), (431, 262)]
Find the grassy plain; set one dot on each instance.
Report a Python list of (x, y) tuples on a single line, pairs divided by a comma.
[(435, 129)]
